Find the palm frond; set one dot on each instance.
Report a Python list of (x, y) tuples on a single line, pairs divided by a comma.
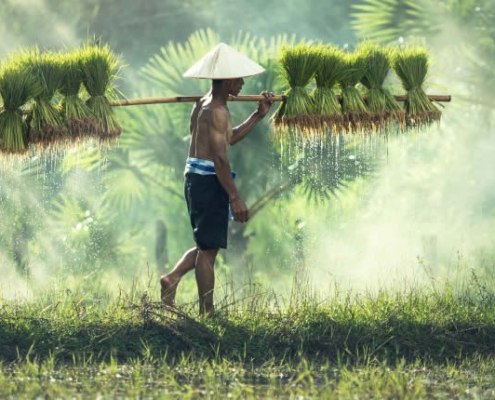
[(322, 171), (164, 70), (385, 21)]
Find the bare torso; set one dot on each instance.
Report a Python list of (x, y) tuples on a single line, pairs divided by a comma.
[(201, 118)]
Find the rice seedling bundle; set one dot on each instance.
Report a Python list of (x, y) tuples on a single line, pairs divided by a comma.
[(47, 125), (379, 100), (356, 115), (17, 87), (299, 64), (100, 68), (411, 66), (79, 119), (327, 110)]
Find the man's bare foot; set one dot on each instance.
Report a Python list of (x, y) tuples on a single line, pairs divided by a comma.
[(169, 288), (206, 311)]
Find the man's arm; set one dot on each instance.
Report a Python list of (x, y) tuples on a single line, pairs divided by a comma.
[(218, 139), (241, 131)]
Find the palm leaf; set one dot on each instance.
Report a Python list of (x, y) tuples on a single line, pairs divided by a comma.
[(386, 20)]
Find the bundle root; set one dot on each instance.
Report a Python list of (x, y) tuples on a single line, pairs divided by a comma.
[(422, 118), (82, 129)]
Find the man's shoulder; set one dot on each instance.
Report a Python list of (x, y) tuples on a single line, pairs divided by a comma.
[(215, 111), (214, 107)]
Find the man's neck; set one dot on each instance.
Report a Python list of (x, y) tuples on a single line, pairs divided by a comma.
[(220, 94)]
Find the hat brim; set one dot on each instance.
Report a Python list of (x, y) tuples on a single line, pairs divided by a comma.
[(230, 77)]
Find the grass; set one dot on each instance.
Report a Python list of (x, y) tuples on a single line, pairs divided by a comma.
[(100, 68), (411, 65), (414, 343), (356, 115), (299, 64), (305, 117), (327, 108), (79, 119), (17, 87), (47, 125), (411, 325), (149, 377), (42, 76), (379, 100)]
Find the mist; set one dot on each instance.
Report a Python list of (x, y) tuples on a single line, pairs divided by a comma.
[(426, 212)]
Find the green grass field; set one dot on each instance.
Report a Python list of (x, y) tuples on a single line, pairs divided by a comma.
[(415, 343), (191, 378)]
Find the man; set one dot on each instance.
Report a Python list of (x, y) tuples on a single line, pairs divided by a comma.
[(209, 182)]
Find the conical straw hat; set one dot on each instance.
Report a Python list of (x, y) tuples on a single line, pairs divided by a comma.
[(223, 62)]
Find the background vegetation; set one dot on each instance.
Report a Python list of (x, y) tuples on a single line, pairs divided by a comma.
[(382, 248), (117, 213)]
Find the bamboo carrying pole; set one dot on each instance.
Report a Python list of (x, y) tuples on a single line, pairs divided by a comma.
[(190, 99)]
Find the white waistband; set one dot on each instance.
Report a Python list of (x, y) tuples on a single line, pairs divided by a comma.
[(199, 166)]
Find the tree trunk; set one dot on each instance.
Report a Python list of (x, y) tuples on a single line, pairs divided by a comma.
[(20, 253), (161, 256)]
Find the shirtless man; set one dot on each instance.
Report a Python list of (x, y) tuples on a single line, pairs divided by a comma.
[(209, 187)]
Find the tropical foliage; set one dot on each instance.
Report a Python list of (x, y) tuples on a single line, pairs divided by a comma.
[(135, 210), (94, 208)]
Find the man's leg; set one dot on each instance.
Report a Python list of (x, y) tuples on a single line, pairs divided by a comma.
[(170, 281), (205, 278)]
